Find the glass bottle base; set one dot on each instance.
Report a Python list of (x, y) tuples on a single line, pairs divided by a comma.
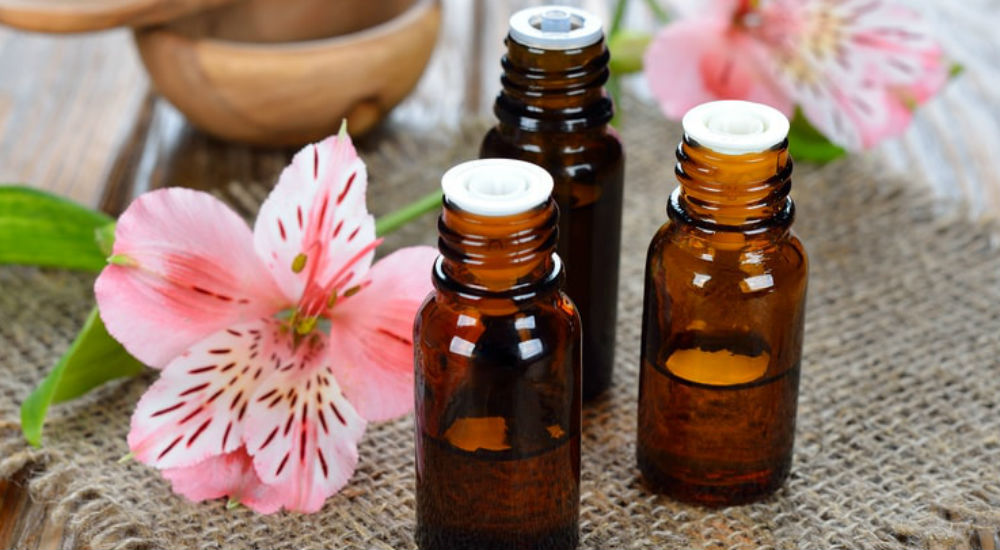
[(435, 538), (712, 488)]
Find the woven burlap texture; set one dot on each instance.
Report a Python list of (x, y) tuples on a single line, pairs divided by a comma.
[(898, 439)]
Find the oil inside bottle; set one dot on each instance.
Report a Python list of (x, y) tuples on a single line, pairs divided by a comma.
[(504, 518), (718, 415)]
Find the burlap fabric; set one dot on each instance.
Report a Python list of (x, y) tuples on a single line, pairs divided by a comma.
[(898, 441)]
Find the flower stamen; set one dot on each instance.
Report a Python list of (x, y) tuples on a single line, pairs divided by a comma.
[(306, 325), (352, 291)]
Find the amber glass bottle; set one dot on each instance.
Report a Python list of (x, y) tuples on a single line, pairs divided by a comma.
[(497, 356), (723, 314), (553, 112)]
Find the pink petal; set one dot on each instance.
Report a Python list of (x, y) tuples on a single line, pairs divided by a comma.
[(198, 407), (190, 271), (697, 60), (315, 221), (892, 121), (371, 335), (305, 432), (715, 9), (934, 77), (229, 475)]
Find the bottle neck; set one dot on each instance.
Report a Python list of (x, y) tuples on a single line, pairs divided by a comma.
[(510, 255), (733, 193), (554, 90)]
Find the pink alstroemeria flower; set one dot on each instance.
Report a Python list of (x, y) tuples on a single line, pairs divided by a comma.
[(857, 68), (276, 346)]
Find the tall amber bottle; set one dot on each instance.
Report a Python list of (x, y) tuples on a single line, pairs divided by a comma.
[(497, 356), (553, 112), (723, 314)]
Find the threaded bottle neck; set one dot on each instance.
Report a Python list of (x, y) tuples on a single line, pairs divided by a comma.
[(498, 254), (554, 90), (732, 192)]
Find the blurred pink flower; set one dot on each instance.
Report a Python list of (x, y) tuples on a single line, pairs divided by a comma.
[(857, 68), (277, 345)]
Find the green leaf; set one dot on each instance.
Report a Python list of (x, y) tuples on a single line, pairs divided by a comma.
[(806, 143), (91, 360), (627, 48), (955, 69), (37, 228)]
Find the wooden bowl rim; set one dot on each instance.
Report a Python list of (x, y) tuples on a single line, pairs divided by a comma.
[(387, 27)]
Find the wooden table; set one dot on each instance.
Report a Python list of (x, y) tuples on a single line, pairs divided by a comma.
[(78, 117)]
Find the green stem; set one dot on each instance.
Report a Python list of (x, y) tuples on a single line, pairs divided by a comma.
[(398, 218), (616, 18), (655, 7)]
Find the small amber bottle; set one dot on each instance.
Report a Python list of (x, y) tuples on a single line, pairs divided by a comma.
[(497, 357), (723, 313), (553, 112)]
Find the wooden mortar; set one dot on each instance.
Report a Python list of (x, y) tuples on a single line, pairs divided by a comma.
[(275, 72)]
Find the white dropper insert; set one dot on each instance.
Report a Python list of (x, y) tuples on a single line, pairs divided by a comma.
[(735, 127), (555, 27), (496, 187)]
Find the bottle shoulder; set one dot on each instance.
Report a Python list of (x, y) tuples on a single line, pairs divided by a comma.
[(449, 309), (678, 237), (492, 337), (506, 142), (582, 159), (755, 262)]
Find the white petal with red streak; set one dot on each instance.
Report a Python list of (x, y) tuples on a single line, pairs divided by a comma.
[(198, 407), (192, 271), (316, 210), (305, 435), (859, 90), (886, 36)]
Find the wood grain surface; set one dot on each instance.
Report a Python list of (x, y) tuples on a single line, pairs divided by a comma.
[(77, 117), (90, 15)]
